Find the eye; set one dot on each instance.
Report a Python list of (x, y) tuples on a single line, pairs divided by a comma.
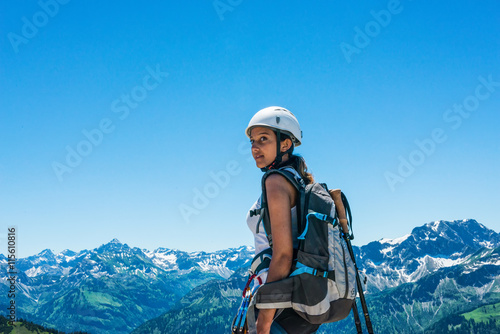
[(263, 138)]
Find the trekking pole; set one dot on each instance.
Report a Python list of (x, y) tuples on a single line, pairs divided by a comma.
[(343, 210), (357, 321), (360, 288)]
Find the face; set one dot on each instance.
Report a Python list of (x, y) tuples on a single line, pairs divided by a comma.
[(263, 142)]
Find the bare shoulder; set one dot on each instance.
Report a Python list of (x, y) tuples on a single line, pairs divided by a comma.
[(278, 184)]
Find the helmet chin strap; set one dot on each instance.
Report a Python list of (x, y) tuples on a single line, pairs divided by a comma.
[(279, 154)]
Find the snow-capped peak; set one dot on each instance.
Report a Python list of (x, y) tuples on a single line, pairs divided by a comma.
[(396, 241)]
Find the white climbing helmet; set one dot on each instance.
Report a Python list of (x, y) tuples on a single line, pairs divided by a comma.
[(277, 118)]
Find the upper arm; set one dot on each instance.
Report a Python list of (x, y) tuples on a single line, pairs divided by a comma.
[(281, 196)]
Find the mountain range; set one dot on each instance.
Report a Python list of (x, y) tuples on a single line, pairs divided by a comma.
[(113, 288), (414, 284), (440, 269)]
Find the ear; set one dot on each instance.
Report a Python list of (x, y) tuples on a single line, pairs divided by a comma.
[(285, 145)]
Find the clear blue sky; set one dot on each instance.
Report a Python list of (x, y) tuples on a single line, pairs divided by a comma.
[(399, 104)]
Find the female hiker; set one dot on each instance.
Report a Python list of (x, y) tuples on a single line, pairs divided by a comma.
[(274, 132)]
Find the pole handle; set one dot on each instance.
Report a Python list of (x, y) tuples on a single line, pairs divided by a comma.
[(339, 206)]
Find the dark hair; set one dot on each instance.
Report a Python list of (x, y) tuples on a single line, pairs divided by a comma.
[(297, 162)]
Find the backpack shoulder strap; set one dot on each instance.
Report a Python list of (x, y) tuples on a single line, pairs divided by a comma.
[(297, 183), (287, 174)]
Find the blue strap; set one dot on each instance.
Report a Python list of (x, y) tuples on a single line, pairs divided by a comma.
[(301, 269), (244, 313), (245, 310), (319, 216), (243, 306)]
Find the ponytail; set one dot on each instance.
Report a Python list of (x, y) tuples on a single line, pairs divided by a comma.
[(298, 163), (301, 167)]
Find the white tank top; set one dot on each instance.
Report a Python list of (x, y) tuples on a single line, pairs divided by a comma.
[(260, 238)]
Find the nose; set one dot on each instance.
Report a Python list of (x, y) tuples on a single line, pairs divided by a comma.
[(255, 149)]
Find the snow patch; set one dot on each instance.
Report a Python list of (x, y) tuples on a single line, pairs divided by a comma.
[(396, 241), (439, 262), (170, 258), (487, 244), (217, 269), (387, 250), (34, 271)]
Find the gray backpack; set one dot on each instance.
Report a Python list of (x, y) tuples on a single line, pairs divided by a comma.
[(322, 285)]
